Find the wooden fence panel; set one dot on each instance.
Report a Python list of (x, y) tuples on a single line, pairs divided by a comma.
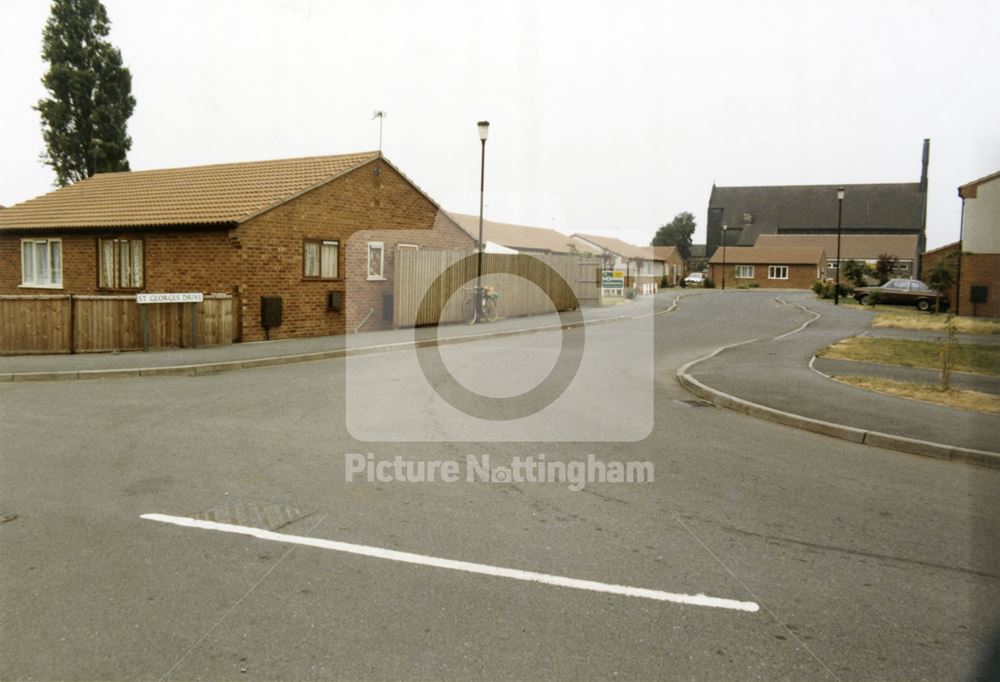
[(42, 324), (417, 280), (34, 324), (101, 321)]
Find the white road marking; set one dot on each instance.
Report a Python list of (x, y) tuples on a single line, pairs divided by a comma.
[(686, 367), (806, 324), (659, 312), (437, 562)]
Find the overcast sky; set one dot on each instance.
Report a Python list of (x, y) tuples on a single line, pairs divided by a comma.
[(606, 117)]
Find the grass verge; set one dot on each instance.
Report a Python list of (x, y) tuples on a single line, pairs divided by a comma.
[(899, 319), (979, 359), (953, 397)]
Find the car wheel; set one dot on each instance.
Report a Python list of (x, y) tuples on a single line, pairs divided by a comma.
[(923, 305), (865, 300)]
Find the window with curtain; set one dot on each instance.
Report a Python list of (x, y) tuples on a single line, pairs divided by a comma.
[(120, 263), (319, 258), (41, 262)]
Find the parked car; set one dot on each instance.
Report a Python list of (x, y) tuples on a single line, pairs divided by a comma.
[(901, 292), (695, 279)]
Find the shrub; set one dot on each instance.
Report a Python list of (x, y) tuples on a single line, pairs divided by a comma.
[(683, 283), (630, 293), (856, 272), (884, 267), (824, 288), (709, 284)]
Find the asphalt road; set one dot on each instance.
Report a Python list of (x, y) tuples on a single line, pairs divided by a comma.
[(865, 563)]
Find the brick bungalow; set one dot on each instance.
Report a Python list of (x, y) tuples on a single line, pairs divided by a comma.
[(861, 247), (774, 268), (672, 263), (266, 228), (641, 264), (977, 255), (520, 238)]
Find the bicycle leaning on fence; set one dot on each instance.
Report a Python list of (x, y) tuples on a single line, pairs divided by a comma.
[(481, 303)]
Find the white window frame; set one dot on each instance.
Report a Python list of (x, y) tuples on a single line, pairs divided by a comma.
[(741, 271), (773, 269), (54, 267), (407, 247), (380, 275)]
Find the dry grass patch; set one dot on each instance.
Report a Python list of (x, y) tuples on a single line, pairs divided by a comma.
[(936, 323), (953, 397), (979, 359)]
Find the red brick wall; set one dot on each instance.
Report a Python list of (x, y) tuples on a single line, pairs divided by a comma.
[(977, 269), (272, 250), (174, 261), (79, 262), (799, 277)]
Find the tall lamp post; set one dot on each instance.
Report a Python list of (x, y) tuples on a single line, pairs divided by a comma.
[(724, 228), (484, 129), (840, 212)]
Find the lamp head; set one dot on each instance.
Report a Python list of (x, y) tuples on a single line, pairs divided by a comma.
[(840, 194), (484, 129)]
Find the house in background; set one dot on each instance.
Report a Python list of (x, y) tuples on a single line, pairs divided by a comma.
[(641, 264), (977, 254), (278, 228), (672, 263), (517, 238), (774, 268), (861, 247)]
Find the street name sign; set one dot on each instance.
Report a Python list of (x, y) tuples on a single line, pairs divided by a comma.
[(170, 298)]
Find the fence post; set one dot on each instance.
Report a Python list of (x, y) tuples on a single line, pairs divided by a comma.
[(72, 324), (194, 325)]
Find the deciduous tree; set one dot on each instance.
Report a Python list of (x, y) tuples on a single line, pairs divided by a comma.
[(677, 233)]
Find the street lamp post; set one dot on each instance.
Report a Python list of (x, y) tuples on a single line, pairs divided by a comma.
[(724, 228), (484, 129), (840, 211)]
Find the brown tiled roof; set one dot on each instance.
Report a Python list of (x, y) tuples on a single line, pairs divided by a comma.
[(199, 195), (664, 252), (518, 237), (862, 246), (617, 246), (762, 255)]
